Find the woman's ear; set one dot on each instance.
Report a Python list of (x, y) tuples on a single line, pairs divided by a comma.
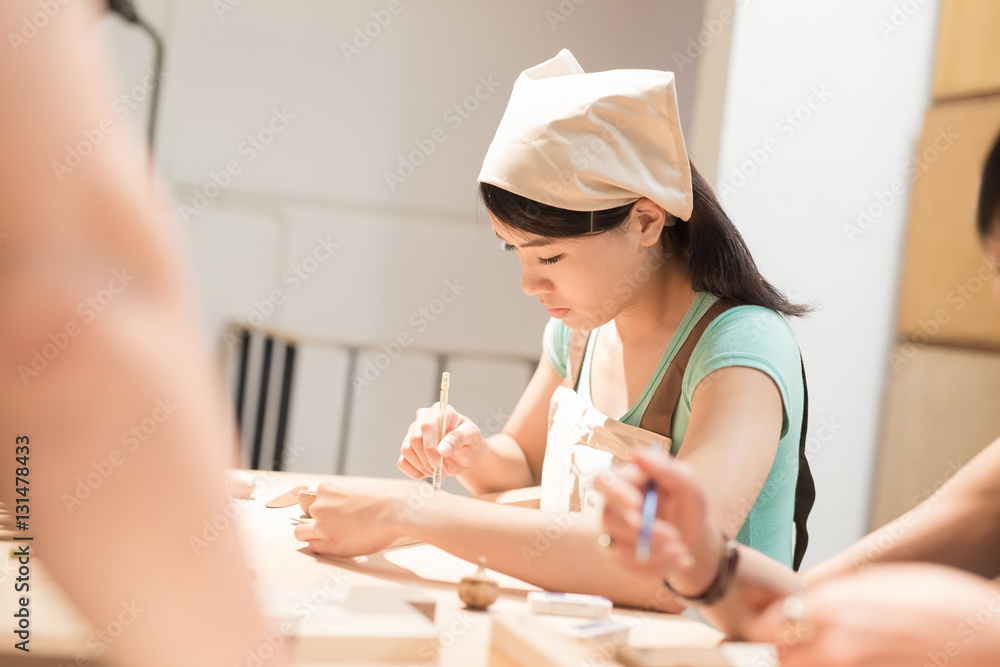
[(650, 218)]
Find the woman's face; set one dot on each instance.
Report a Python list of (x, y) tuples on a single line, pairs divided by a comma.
[(585, 282)]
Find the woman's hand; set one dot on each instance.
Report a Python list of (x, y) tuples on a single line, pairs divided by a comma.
[(904, 614), (684, 550), (463, 446), (355, 517)]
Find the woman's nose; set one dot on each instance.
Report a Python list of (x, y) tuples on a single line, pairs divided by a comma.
[(532, 283)]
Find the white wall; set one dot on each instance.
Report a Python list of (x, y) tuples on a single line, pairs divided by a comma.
[(874, 65)]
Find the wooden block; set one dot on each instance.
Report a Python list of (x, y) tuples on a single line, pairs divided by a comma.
[(666, 640), (521, 640), (940, 411), (945, 294), (726, 655), (968, 49), (371, 626)]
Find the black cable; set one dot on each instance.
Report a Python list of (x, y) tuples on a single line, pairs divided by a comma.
[(126, 10)]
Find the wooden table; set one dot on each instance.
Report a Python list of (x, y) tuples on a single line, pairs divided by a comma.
[(358, 590)]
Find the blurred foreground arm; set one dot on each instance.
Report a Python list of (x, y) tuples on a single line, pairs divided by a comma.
[(101, 365)]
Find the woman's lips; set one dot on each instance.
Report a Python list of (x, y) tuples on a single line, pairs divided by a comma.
[(557, 312)]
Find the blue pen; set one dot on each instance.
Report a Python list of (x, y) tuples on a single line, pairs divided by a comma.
[(648, 515)]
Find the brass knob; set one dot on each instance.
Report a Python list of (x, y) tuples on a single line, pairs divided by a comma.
[(478, 591)]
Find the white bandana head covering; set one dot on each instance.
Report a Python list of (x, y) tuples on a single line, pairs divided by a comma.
[(587, 142)]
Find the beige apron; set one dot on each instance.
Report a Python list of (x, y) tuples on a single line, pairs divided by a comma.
[(582, 443)]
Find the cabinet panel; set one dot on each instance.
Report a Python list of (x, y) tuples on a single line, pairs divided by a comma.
[(945, 295), (968, 51), (940, 411)]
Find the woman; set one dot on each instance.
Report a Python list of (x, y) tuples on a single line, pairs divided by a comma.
[(862, 607), (587, 181)]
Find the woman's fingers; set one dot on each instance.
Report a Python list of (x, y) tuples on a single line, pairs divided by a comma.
[(427, 442), (306, 531), (410, 449), (625, 490), (408, 468), (459, 443), (669, 553)]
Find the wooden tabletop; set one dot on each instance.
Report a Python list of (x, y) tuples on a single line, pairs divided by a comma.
[(400, 604)]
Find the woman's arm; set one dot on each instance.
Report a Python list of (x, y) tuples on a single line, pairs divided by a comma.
[(555, 551), (110, 365), (891, 615), (731, 441), (956, 526), (687, 547)]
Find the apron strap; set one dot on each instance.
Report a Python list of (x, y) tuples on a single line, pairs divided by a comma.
[(659, 414), (578, 340), (805, 487)]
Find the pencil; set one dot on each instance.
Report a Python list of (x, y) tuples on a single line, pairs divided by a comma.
[(649, 503), (443, 404)]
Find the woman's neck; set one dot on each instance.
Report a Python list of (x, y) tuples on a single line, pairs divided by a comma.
[(658, 307)]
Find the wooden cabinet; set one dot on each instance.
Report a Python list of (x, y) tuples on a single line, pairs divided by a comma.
[(968, 57), (945, 296), (940, 411)]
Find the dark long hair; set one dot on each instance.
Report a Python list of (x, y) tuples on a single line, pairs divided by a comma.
[(989, 193), (712, 250)]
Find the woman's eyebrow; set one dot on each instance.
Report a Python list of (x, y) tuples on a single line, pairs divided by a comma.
[(530, 244)]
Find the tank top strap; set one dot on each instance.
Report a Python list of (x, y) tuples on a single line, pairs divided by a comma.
[(578, 340)]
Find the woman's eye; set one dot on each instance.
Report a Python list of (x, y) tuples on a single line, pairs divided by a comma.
[(549, 260), (507, 248)]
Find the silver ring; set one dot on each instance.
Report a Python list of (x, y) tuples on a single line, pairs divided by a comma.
[(797, 626)]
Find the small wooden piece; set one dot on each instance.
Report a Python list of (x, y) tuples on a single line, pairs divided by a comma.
[(306, 499), (286, 499), (241, 484), (478, 591)]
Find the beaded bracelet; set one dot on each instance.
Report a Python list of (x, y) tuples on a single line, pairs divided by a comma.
[(720, 585)]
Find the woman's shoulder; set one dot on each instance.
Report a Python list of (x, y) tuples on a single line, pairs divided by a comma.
[(753, 331)]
